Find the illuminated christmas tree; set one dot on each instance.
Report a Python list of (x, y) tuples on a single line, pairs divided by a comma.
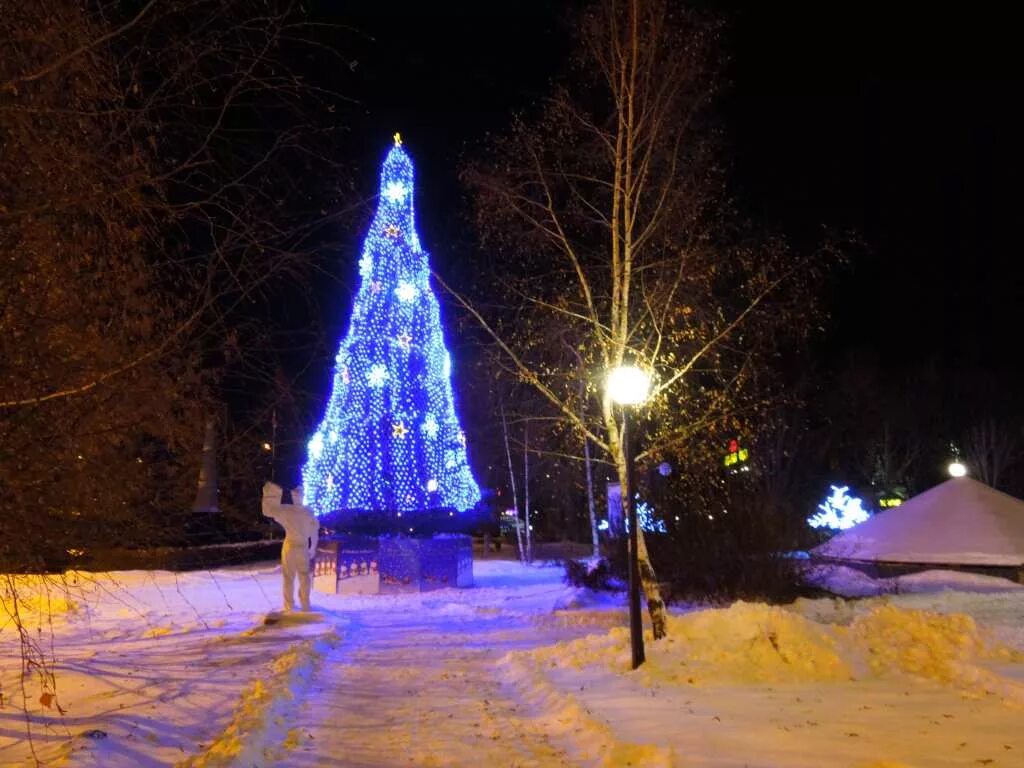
[(390, 441)]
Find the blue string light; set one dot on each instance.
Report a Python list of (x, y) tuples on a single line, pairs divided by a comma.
[(390, 439)]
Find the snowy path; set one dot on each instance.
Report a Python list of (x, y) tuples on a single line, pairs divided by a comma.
[(421, 690)]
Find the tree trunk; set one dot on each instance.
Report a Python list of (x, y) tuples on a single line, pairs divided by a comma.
[(512, 482), (648, 579), (590, 498), (587, 467), (526, 491)]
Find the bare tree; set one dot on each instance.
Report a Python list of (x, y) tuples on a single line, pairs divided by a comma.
[(891, 459), (526, 491), (991, 447), (148, 213), (610, 208), (150, 210), (512, 484)]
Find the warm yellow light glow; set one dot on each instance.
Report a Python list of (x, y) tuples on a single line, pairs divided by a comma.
[(266, 446), (398, 139), (628, 385), (956, 469)]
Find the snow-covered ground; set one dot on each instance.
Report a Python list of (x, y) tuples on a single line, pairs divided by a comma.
[(518, 671)]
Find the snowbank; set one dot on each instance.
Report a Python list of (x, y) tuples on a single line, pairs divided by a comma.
[(826, 683), (751, 643), (845, 581)]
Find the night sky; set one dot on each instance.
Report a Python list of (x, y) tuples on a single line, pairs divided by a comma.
[(901, 126)]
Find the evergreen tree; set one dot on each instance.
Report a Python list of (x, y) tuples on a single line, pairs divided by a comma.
[(390, 440)]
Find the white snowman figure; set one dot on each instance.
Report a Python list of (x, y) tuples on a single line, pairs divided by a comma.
[(301, 531)]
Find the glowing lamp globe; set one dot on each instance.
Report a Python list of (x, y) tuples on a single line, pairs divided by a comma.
[(628, 385), (956, 469)]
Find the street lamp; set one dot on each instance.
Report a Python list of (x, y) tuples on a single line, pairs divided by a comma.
[(629, 386), (956, 468)]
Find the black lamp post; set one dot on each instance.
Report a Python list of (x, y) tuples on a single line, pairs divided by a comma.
[(629, 386)]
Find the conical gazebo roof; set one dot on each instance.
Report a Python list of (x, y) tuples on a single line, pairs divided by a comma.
[(959, 522)]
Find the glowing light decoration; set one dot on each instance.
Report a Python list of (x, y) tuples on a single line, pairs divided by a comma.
[(395, 192), (736, 457), (839, 511), (646, 518), (390, 439), (377, 376), (406, 291)]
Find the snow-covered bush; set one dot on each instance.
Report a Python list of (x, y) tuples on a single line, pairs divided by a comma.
[(591, 574)]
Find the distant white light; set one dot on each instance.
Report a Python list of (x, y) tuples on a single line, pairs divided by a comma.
[(628, 385), (956, 469), (431, 485)]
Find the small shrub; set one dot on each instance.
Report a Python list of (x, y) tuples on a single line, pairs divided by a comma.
[(586, 573)]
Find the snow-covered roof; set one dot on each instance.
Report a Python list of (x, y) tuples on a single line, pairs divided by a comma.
[(959, 522)]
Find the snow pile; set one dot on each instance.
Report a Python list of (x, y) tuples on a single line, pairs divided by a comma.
[(939, 579), (746, 642), (845, 581), (751, 643), (259, 720), (948, 649)]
